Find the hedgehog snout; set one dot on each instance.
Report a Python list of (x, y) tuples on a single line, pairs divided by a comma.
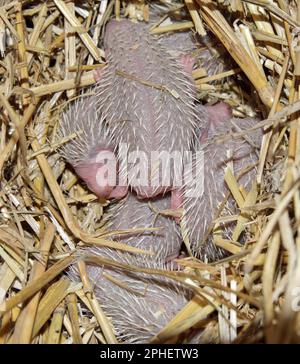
[(99, 172)]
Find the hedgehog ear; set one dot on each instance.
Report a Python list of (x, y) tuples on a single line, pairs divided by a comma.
[(213, 116), (219, 113), (187, 62)]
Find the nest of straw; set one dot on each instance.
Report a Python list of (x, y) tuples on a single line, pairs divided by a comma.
[(49, 51)]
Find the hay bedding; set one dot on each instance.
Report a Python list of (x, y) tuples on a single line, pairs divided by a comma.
[(48, 53)]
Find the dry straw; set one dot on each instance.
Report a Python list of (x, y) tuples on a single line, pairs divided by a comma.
[(49, 52)]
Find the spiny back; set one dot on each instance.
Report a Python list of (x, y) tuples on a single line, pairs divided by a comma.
[(139, 304), (82, 117), (200, 211), (145, 94), (132, 213)]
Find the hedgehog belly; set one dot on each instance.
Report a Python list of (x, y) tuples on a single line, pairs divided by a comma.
[(130, 213)]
